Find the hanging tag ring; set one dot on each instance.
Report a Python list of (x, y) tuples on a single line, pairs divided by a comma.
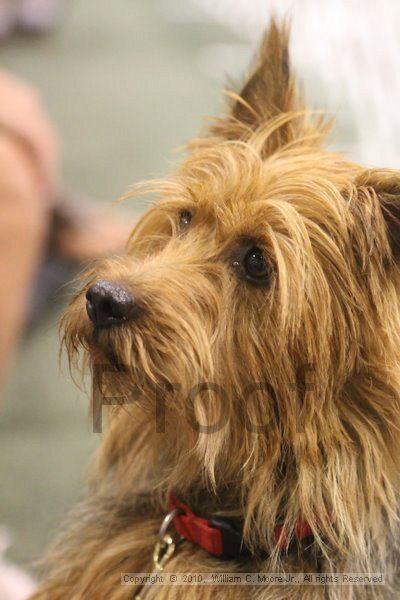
[(163, 550), (165, 546), (168, 520)]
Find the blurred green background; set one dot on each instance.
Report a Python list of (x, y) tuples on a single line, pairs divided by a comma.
[(123, 85)]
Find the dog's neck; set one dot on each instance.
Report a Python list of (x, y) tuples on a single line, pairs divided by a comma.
[(352, 503)]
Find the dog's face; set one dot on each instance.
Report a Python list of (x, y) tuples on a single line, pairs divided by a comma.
[(265, 259)]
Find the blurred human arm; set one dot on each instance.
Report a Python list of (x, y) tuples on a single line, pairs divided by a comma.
[(23, 117), (28, 159)]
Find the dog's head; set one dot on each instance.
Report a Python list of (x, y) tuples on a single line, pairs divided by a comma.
[(261, 287)]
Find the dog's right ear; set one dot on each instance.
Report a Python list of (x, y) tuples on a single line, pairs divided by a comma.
[(269, 89), (379, 190), (386, 185)]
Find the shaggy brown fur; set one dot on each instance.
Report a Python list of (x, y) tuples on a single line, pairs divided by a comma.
[(322, 328)]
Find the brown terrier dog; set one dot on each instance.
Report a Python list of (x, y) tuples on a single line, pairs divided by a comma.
[(251, 335)]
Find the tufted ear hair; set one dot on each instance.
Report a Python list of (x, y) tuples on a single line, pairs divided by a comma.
[(270, 87), (269, 107), (384, 185)]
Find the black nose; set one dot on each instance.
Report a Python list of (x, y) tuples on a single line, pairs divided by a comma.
[(108, 303)]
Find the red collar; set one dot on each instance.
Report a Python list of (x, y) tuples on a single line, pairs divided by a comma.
[(222, 537)]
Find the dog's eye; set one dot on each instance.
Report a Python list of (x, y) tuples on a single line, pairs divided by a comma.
[(185, 218), (254, 267)]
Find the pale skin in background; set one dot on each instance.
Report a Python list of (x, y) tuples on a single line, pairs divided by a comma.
[(29, 158), (22, 227)]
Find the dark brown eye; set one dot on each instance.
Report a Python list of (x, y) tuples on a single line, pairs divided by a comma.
[(185, 218), (255, 266)]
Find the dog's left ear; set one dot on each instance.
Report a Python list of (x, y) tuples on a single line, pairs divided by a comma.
[(384, 185), (269, 89)]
